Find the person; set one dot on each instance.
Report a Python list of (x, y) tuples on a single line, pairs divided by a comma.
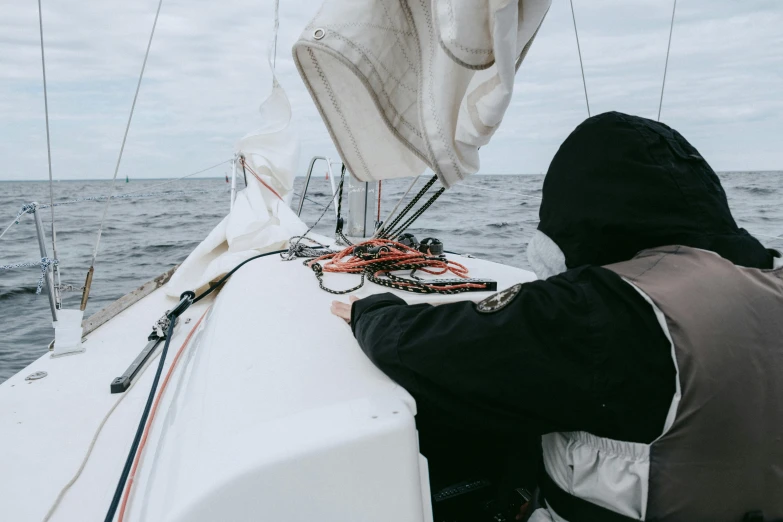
[(647, 356)]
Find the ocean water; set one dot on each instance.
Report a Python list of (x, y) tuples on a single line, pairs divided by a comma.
[(491, 217)]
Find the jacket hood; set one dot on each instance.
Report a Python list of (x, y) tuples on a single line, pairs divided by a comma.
[(620, 184)]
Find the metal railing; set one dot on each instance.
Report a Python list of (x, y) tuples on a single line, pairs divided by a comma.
[(54, 298), (307, 181)]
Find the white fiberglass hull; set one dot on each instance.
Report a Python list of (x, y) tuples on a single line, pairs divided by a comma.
[(273, 413)]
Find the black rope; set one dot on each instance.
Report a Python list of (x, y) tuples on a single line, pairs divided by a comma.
[(389, 280), (416, 214), (319, 274), (338, 232), (340, 196), (244, 172), (186, 299), (422, 286), (384, 232), (380, 272), (225, 277)]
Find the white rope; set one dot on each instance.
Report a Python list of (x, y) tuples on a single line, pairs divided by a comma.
[(26, 209), (666, 67), (579, 50), (46, 115), (178, 179), (276, 30), (44, 263), (78, 473), (12, 223), (125, 136)]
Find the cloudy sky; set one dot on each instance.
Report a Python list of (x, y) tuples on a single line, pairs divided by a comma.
[(207, 75)]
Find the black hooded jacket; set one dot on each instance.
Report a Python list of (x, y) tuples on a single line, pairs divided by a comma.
[(581, 350)]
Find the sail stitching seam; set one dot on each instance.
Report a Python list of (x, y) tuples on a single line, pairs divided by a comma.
[(473, 50), (366, 51), (375, 26), (413, 129), (399, 42), (448, 150), (337, 109)]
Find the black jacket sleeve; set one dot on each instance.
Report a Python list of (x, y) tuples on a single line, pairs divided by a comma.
[(579, 351)]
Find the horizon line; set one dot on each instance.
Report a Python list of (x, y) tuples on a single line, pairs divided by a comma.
[(764, 171)]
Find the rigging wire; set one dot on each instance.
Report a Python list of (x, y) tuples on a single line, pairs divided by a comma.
[(388, 226), (258, 178), (375, 236), (13, 222), (178, 179), (26, 209), (397, 232), (276, 30), (666, 67), (378, 210), (91, 270), (48, 141), (579, 50)]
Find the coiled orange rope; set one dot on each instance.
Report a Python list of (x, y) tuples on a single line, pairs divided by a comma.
[(378, 257)]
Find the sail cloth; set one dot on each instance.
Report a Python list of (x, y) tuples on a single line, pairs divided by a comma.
[(272, 152), (260, 221), (410, 84)]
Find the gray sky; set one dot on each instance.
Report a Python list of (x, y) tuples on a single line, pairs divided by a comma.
[(207, 75)]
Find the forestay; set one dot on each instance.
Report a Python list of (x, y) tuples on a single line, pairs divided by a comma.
[(412, 84), (261, 219)]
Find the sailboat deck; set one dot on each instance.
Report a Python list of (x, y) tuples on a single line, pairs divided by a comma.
[(270, 377)]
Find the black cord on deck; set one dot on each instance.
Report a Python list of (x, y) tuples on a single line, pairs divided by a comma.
[(223, 279), (186, 299)]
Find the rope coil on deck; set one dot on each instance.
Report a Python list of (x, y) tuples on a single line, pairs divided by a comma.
[(296, 249), (375, 259)]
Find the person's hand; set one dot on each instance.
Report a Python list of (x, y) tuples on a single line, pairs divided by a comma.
[(343, 310)]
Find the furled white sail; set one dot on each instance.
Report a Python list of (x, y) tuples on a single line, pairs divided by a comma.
[(412, 84), (272, 152), (261, 219)]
